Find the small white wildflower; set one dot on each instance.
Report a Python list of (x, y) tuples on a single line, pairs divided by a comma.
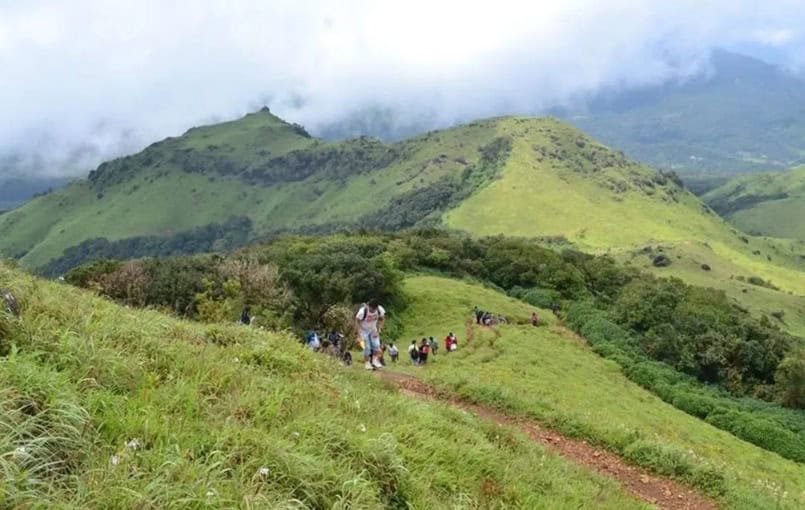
[(295, 435), (264, 471), (236, 360), (20, 452), (115, 460), (210, 493), (362, 427), (134, 444)]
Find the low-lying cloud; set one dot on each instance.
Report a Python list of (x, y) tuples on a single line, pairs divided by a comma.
[(86, 80)]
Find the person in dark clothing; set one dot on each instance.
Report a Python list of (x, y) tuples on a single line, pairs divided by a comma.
[(413, 351), (246, 315), (347, 358), (424, 350), (478, 315)]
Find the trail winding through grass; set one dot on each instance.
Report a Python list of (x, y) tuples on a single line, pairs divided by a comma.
[(659, 491)]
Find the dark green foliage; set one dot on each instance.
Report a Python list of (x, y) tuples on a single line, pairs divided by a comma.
[(790, 379), (236, 232), (415, 207), (340, 161), (539, 297), (762, 432)]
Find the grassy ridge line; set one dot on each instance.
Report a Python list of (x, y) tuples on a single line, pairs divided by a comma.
[(544, 374), (769, 203), (107, 407)]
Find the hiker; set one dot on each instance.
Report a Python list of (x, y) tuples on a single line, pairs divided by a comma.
[(434, 345), (424, 349), (369, 323), (383, 349), (534, 319), (394, 352), (347, 358), (413, 351), (313, 340), (450, 342), (246, 315), (335, 340), (486, 319), (478, 315)]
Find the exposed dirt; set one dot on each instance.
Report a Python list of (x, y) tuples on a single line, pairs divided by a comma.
[(660, 491)]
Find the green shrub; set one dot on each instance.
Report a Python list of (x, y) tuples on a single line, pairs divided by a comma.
[(790, 379), (763, 432), (694, 403)]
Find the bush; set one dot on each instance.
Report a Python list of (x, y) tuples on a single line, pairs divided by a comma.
[(762, 432), (694, 403), (539, 297), (790, 378)]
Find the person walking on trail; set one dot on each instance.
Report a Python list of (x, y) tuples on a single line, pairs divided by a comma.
[(369, 323), (424, 349), (413, 351), (534, 319), (394, 353), (434, 345), (478, 314)]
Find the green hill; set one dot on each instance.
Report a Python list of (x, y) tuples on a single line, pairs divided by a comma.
[(771, 204), (218, 187), (551, 374), (107, 407)]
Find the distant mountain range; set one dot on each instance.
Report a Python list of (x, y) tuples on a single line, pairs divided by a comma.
[(770, 204), (742, 115)]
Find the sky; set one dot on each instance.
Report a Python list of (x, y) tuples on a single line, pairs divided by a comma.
[(86, 80)]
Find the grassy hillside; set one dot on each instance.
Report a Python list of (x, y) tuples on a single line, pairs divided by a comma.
[(107, 407), (550, 374), (512, 175), (771, 204)]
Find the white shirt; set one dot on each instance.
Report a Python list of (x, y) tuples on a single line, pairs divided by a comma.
[(370, 322)]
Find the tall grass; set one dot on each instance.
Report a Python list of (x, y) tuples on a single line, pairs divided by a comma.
[(107, 407)]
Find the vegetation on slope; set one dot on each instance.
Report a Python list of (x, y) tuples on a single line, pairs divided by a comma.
[(549, 374), (107, 407), (697, 335), (771, 204)]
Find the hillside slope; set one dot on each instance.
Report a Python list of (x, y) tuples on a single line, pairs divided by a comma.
[(771, 204), (220, 186), (550, 374), (107, 407), (744, 115)]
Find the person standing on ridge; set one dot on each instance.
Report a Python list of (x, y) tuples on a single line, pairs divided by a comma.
[(369, 323)]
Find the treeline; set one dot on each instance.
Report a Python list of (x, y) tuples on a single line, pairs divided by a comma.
[(716, 353), (227, 236)]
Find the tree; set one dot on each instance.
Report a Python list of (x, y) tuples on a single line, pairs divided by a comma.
[(790, 378)]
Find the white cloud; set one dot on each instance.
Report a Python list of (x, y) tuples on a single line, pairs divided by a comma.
[(88, 79), (774, 36)]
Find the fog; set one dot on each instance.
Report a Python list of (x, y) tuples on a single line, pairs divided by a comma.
[(86, 80)]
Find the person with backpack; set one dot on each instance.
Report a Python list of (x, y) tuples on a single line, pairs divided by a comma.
[(413, 351), (246, 315), (434, 345), (424, 350), (394, 353), (478, 314), (313, 340), (369, 323)]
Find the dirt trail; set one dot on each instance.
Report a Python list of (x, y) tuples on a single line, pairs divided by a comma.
[(662, 492)]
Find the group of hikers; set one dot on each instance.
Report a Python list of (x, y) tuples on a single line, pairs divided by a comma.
[(369, 322), (488, 318)]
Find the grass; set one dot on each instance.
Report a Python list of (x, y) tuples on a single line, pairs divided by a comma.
[(771, 204), (108, 407), (550, 374)]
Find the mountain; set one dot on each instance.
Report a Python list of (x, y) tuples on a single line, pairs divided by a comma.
[(744, 115), (771, 204), (218, 187), (16, 191)]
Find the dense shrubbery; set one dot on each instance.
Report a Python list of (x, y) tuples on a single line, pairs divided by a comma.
[(213, 237), (765, 425)]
